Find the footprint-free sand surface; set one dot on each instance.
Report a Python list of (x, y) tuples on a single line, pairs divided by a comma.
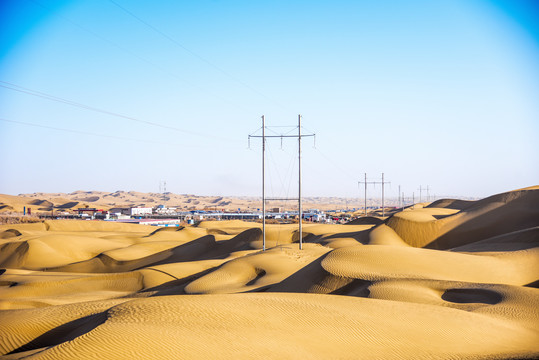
[(450, 280)]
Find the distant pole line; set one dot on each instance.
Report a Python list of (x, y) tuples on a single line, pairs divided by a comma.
[(421, 188), (280, 136), (374, 183)]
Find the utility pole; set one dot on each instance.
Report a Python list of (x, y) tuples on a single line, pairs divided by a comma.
[(264, 137), (263, 183), (421, 192), (299, 184), (400, 203), (374, 183), (383, 206), (164, 192), (162, 186), (366, 182)]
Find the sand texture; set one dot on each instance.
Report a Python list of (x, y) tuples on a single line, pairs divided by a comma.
[(447, 280)]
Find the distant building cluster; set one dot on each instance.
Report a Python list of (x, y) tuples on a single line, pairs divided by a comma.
[(162, 216)]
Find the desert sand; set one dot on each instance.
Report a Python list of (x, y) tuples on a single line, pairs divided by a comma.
[(448, 280), (45, 202)]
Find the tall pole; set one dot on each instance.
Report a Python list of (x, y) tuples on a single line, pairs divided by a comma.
[(400, 203), (263, 184), (299, 183), (374, 183), (281, 136), (365, 194), (383, 208)]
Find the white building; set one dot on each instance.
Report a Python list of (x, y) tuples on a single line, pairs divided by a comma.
[(141, 211)]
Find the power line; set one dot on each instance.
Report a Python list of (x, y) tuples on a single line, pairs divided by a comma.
[(421, 188), (174, 41), (43, 95), (140, 57), (334, 164), (80, 132)]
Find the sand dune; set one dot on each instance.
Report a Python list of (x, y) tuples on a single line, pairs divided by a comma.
[(450, 280), (183, 202)]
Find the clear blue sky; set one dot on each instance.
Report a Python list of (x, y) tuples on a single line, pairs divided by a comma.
[(438, 93)]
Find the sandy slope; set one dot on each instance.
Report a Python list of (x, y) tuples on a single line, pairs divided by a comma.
[(453, 280)]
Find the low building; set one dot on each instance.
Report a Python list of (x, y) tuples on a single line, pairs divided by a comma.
[(120, 211), (92, 213), (140, 211)]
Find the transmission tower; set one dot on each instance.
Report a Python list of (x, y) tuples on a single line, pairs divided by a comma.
[(374, 183), (421, 192), (281, 136), (162, 186)]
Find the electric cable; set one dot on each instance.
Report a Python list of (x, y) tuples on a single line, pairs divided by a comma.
[(177, 43), (43, 95)]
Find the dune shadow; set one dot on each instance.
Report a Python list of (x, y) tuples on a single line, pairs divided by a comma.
[(66, 332), (313, 278), (454, 204), (514, 241), (361, 237), (302, 280), (465, 296), (259, 274), (176, 287), (165, 229), (366, 220), (515, 213), (67, 205), (10, 233), (202, 248), (439, 217), (357, 287)]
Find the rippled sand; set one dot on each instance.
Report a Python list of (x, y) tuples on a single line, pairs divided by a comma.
[(453, 280)]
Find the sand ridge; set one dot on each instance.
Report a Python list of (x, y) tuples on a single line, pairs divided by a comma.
[(46, 202), (449, 280)]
